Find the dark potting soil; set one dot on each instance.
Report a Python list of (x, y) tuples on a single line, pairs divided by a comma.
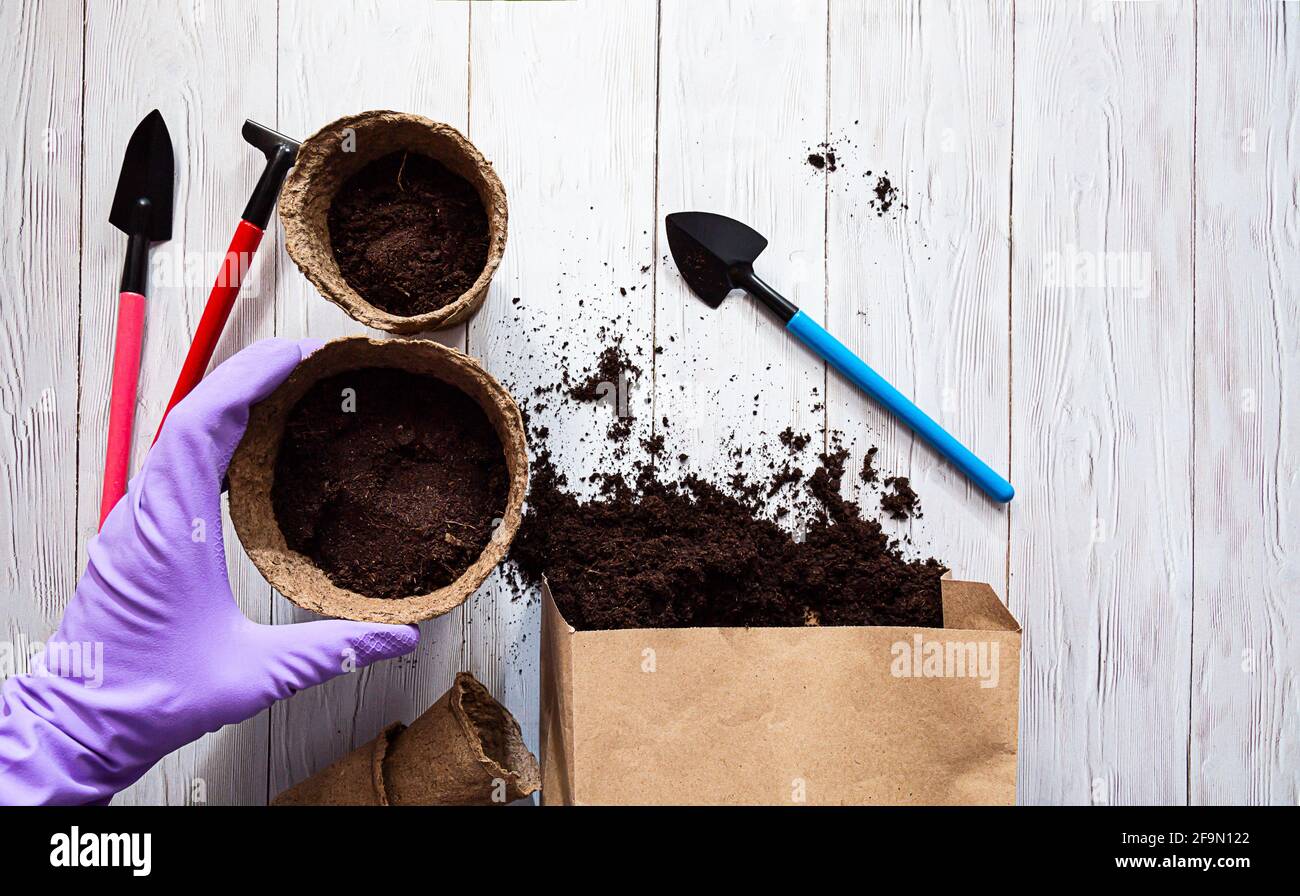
[(611, 367), (653, 553), (823, 157), (869, 473), (409, 235), (902, 501), (885, 196), (389, 481)]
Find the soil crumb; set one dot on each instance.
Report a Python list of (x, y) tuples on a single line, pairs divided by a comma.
[(409, 235), (390, 481), (870, 475), (885, 197), (824, 157), (794, 442), (902, 501)]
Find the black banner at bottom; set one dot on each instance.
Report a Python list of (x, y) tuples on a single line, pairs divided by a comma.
[(216, 845)]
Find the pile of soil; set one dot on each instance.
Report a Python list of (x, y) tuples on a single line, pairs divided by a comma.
[(651, 553), (409, 235), (390, 481)]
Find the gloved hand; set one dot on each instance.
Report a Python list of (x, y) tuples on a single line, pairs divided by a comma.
[(179, 659)]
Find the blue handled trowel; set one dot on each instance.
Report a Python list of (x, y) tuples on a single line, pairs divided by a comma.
[(715, 255)]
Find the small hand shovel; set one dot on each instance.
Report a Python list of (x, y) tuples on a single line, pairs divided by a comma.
[(142, 209), (715, 255)]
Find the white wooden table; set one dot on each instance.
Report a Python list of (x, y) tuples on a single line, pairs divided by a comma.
[(1096, 285)]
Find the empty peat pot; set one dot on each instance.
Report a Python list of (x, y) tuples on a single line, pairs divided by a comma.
[(465, 750), (341, 149), (253, 471)]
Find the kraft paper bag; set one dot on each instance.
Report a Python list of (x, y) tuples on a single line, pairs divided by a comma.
[(784, 716)]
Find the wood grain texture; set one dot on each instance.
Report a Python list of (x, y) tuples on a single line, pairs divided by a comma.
[(410, 57), (564, 104), (1245, 738), (922, 292), (40, 99), (742, 95), (176, 58), (1101, 398)]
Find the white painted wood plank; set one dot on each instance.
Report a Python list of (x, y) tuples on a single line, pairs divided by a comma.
[(40, 159), (742, 95), (177, 58), (1101, 398), (922, 294), (411, 57), (1245, 739), (564, 104)]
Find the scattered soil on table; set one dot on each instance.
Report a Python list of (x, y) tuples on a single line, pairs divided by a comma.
[(902, 501), (657, 553), (884, 196), (794, 442), (824, 157), (823, 160), (409, 235), (389, 481), (869, 474), (612, 366)]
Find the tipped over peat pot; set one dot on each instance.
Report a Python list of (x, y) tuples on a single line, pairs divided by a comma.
[(369, 485), (816, 715), (465, 750), (397, 219)]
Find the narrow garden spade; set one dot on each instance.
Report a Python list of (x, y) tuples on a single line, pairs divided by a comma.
[(715, 255)]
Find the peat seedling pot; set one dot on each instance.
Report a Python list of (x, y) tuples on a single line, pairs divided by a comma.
[(355, 530), (465, 750), (328, 160)]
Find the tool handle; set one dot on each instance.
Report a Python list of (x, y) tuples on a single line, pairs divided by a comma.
[(814, 335), (121, 405), (239, 258)]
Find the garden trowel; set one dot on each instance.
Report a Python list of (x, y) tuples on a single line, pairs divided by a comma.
[(715, 255), (142, 209)]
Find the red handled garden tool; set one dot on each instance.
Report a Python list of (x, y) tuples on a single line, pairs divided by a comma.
[(281, 152), (715, 255), (142, 209)]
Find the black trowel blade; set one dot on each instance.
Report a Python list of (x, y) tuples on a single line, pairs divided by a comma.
[(708, 247), (143, 201)]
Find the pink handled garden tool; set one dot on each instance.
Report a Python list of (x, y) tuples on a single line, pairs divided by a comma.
[(142, 209)]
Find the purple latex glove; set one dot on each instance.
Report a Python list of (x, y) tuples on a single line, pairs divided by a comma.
[(179, 659)]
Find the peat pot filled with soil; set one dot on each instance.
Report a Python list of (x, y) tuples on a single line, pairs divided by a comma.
[(397, 219), (382, 481)]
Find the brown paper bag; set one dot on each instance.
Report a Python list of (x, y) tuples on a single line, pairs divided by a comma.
[(815, 715)]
